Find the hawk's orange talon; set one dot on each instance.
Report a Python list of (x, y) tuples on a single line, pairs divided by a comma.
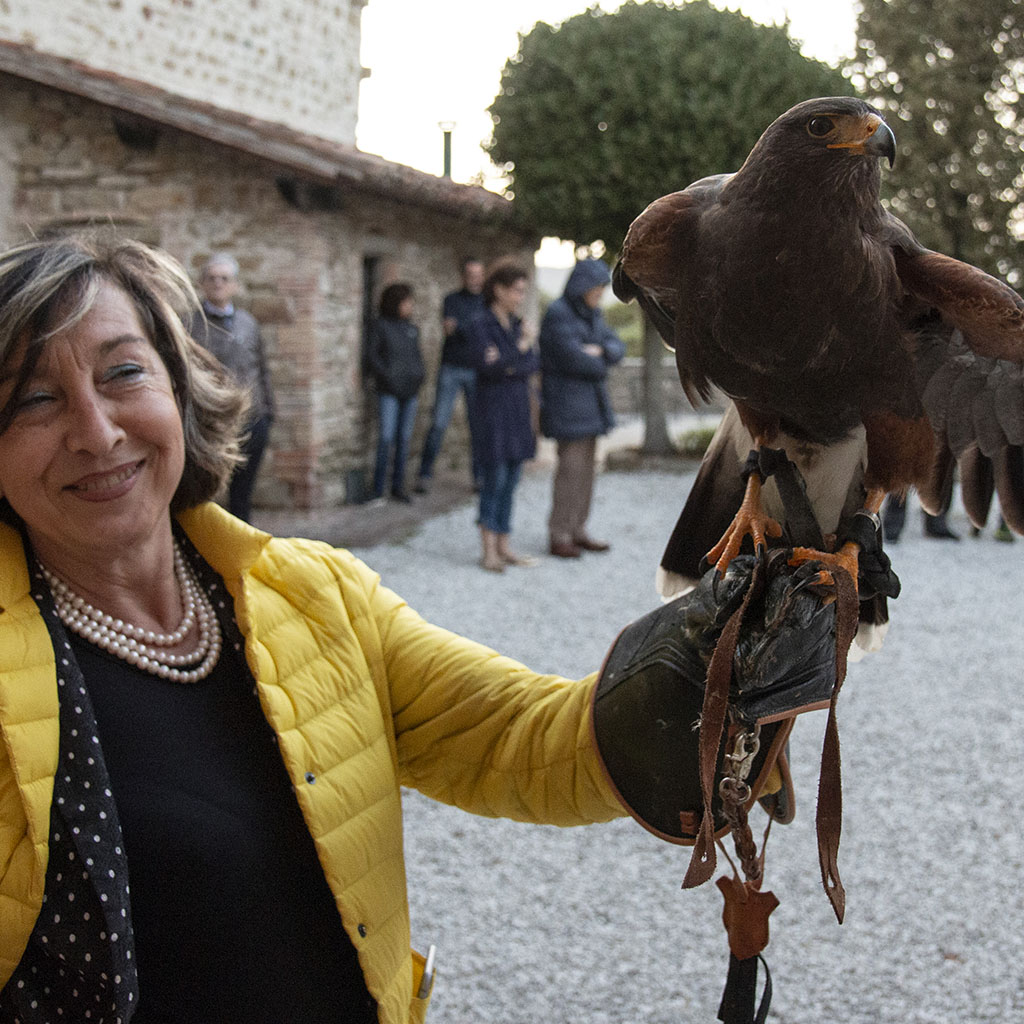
[(749, 521), (844, 558)]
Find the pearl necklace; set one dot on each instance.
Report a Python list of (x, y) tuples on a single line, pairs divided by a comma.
[(143, 648)]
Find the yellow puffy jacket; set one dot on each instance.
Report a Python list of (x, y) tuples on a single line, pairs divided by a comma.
[(364, 696)]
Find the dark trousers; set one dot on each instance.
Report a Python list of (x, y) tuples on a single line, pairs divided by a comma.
[(894, 515), (572, 490), (243, 480)]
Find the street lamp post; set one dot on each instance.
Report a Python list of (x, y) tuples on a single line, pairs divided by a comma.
[(446, 129)]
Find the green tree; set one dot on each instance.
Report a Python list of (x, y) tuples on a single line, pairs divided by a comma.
[(949, 78), (601, 115)]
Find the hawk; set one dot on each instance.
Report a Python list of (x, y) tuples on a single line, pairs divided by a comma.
[(876, 363)]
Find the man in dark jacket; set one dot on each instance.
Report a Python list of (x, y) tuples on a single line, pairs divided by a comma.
[(233, 336), (456, 372), (576, 349)]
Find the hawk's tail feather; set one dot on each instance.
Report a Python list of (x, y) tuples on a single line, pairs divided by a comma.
[(1008, 469), (982, 478), (709, 509), (977, 485), (936, 492)]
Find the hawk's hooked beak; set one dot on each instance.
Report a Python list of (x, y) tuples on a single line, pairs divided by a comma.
[(882, 143), (872, 137)]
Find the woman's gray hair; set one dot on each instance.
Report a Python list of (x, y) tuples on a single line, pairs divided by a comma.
[(49, 284)]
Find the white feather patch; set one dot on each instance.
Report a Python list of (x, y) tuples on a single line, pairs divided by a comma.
[(867, 640), (671, 585)]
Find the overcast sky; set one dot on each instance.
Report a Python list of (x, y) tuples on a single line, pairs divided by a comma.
[(441, 61)]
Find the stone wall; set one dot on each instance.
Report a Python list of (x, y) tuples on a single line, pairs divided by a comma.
[(276, 60), (302, 273), (626, 386)]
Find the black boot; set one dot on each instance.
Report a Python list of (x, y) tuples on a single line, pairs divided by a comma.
[(894, 515), (937, 527)]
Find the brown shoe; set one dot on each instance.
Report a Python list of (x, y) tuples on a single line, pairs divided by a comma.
[(565, 549), (589, 544)]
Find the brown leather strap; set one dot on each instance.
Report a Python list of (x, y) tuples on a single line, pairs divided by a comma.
[(829, 820), (712, 723)]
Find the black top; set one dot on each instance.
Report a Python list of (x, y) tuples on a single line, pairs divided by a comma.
[(394, 357), (462, 306), (233, 918)]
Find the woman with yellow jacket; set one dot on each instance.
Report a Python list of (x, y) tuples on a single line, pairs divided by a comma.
[(203, 729)]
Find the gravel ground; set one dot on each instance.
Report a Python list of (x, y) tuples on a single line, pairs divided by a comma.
[(534, 923)]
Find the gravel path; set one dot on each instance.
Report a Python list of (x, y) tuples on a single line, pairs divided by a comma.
[(534, 923)]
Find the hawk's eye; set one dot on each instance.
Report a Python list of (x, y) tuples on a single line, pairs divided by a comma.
[(819, 127)]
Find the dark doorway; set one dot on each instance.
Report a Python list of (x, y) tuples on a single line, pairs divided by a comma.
[(356, 488)]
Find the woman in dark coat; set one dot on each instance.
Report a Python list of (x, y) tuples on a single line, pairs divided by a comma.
[(396, 364), (505, 358), (576, 349)]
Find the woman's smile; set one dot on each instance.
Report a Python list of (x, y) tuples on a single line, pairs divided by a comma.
[(107, 485)]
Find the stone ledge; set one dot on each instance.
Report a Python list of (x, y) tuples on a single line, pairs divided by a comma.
[(634, 460)]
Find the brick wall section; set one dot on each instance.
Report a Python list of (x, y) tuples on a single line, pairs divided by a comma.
[(277, 60), (61, 164)]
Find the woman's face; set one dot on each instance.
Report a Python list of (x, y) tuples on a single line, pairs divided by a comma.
[(406, 308), (508, 298), (95, 451)]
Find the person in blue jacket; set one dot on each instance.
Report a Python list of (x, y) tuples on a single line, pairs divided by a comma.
[(503, 434), (576, 349)]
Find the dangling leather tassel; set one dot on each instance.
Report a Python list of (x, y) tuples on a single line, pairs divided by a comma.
[(737, 1006), (745, 917), (829, 817)]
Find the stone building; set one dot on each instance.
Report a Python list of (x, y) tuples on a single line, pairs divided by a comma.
[(292, 61), (318, 227)]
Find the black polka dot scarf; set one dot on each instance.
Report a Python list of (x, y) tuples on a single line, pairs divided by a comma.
[(80, 964)]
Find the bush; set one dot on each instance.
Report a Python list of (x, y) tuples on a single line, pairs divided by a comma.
[(627, 322), (694, 443)]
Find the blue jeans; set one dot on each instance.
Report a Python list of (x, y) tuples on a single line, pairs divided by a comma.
[(397, 416), (496, 493), (450, 380)]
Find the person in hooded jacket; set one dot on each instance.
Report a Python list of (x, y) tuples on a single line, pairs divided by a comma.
[(396, 364), (576, 349)]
